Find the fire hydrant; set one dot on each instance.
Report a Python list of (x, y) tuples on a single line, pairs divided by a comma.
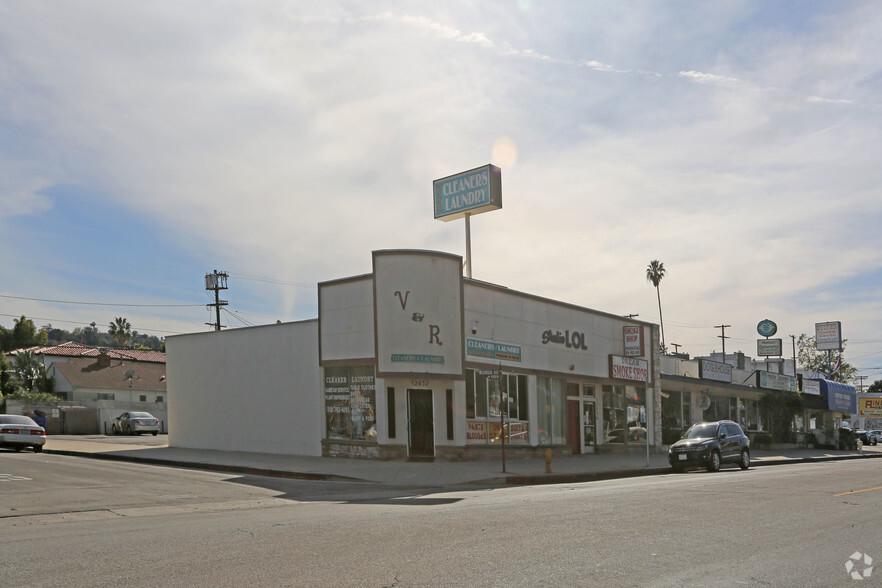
[(547, 461)]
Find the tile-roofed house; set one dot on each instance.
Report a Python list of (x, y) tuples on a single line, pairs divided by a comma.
[(83, 379), (106, 380), (73, 349)]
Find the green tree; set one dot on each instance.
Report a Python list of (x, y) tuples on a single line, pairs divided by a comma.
[(809, 359), (23, 334), (655, 272), (120, 329), (875, 387), (8, 385), (31, 373), (779, 408)]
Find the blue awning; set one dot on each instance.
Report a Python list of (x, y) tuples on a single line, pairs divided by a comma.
[(839, 397)]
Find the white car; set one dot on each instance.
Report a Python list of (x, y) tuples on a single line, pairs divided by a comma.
[(135, 423), (873, 437), (19, 432)]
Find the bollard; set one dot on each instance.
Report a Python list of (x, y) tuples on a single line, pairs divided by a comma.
[(547, 461), (860, 446)]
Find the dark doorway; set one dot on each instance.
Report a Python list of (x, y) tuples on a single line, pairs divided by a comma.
[(573, 434), (421, 431)]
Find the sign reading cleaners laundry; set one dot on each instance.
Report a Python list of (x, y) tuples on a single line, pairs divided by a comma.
[(628, 368), (470, 192), (493, 350)]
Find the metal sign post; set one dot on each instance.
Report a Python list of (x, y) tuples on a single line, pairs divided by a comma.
[(468, 227), (503, 408)]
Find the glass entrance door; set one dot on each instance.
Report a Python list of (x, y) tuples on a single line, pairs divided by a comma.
[(588, 426)]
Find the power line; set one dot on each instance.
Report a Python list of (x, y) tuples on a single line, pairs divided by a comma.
[(98, 303), (269, 280)]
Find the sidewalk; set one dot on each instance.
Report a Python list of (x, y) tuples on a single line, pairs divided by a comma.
[(581, 468)]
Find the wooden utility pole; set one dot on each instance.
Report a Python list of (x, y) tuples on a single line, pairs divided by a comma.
[(216, 281), (723, 337)]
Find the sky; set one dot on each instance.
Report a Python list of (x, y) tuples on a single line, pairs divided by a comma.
[(145, 144)]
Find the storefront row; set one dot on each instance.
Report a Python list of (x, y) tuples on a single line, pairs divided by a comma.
[(413, 360), (471, 419)]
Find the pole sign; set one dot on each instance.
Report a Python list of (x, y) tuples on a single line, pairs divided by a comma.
[(828, 336), (470, 192), (766, 328), (769, 347)]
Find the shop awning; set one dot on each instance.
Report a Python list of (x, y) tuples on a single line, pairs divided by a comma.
[(839, 397)]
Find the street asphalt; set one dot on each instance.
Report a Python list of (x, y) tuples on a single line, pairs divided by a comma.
[(580, 468)]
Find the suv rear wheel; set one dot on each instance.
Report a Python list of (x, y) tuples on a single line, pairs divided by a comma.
[(745, 459), (714, 463)]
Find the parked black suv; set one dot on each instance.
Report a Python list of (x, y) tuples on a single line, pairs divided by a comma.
[(709, 445)]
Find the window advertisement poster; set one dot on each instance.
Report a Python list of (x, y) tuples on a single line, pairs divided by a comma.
[(828, 336), (714, 370), (633, 335), (350, 403), (476, 431)]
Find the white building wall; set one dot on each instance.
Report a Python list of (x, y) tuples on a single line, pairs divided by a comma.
[(347, 311), (492, 314), (251, 389)]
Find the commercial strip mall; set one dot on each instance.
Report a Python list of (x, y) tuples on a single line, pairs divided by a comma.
[(415, 360)]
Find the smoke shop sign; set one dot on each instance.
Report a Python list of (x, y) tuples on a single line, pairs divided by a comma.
[(628, 368), (571, 340)]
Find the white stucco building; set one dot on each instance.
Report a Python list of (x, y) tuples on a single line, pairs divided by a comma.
[(414, 360)]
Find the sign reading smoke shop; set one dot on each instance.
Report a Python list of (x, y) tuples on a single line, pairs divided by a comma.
[(629, 368), (633, 335), (470, 192)]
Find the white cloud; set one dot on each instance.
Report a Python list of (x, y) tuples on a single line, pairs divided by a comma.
[(292, 141)]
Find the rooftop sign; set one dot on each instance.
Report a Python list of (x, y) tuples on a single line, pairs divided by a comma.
[(470, 192), (714, 370)]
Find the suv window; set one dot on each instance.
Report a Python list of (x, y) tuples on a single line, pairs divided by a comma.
[(733, 430)]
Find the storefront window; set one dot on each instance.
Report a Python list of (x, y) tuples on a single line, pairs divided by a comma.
[(350, 403), (552, 418), (487, 397), (718, 409), (624, 414)]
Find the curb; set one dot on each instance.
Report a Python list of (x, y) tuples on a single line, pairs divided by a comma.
[(513, 480), (207, 466)]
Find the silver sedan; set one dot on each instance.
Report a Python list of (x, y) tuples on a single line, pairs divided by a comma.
[(19, 432), (135, 423)]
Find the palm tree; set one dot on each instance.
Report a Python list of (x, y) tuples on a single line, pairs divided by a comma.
[(654, 273), (31, 373), (120, 329)]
